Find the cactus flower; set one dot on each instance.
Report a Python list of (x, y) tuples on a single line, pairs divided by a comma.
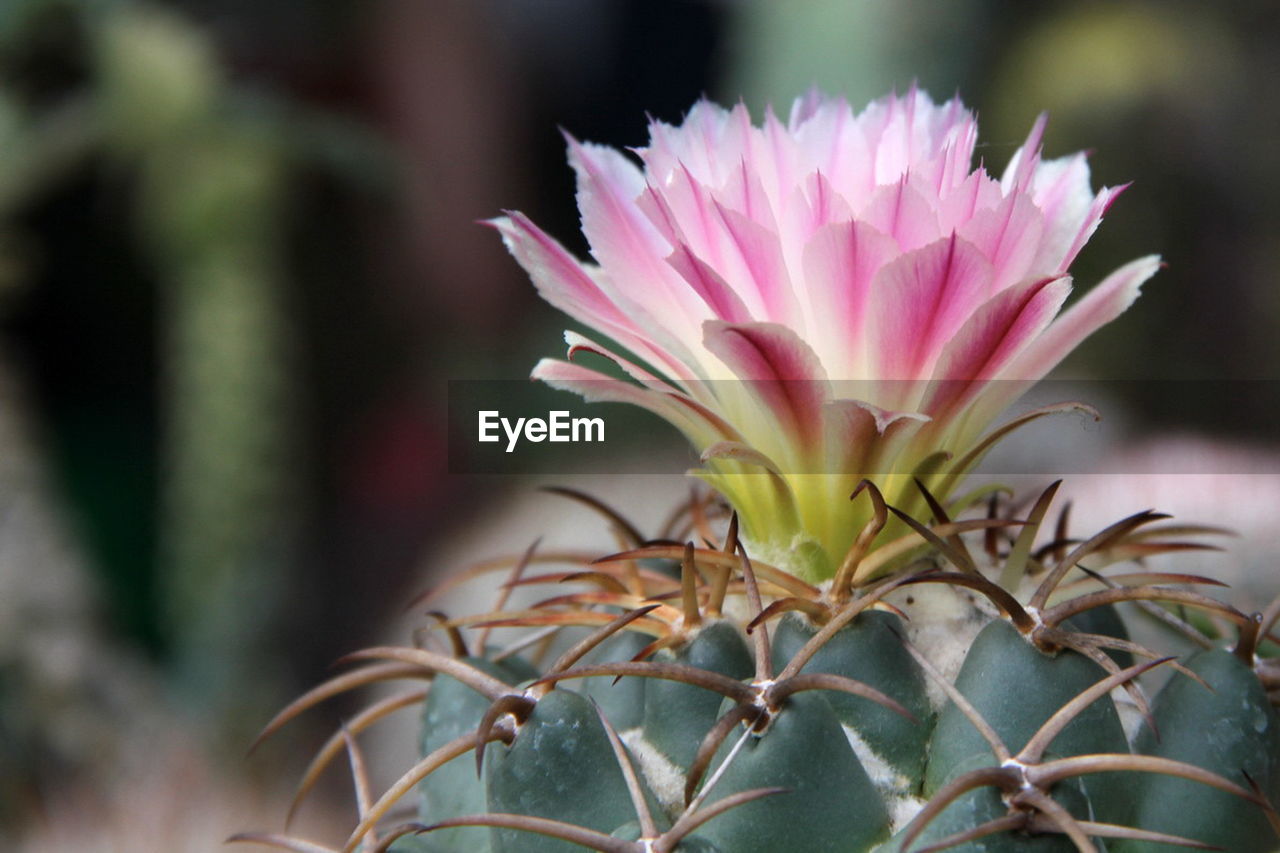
[(837, 297)]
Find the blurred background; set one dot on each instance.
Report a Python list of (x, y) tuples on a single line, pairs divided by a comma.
[(239, 261)]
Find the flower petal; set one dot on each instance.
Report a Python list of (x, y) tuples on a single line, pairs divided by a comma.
[(833, 144), (711, 256), (978, 192), (699, 425), (628, 246), (995, 334), (779, 369), (678, 207), (579, 343), (913, 131), (839, 264), (1090, 221), (920, 300), (1060, 188), (824, 203), (707, 143), (766, 269), (858, 433), (569, 286), (1009, 236), (714, 290), (1022, 165), (744, 192), (1099, 307), (901, 211)]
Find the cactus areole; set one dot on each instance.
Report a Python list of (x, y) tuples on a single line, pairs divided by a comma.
[(834, 648)]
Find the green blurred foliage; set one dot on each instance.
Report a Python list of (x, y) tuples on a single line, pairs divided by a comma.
[(858, 48), (185, 491), (157, 75)]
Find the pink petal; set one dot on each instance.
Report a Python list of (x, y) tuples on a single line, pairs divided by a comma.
[(902, 211), (694, 420), (566, 284), (858, 434), (1017, 175), (662, 155), (995, 334), (949, 135), (579, 343), (958, 153), (839, 265), (894, 147), (919, 302), (733, 263), (810, 206), (714, 290), (1099, 306), (766, 269), (705, 144), (780, 170), (915, 131), (875, 117), (744, 192), (558, 276), (779, 369), (809, 105), (824, 203), (678, 209), (1009, 237), (596, 387), (834, 145), (1060, 188), (683, 211), (703, 131), (976, 193), (1097, 209), (628, 246)]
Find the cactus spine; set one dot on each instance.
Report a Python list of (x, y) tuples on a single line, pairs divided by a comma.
[(702, 701)]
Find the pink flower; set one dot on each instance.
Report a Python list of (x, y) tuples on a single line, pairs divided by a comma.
[(813, 302)]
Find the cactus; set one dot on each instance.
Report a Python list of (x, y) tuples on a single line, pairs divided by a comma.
[(834, 650), (712, 702)]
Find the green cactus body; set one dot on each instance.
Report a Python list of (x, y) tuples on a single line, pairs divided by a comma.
[(984, 804), (1016, 688), (623, 703), (450, 710), (560, 766), (827, 790), (869, 650), (830, 801), (676, 716), (1231, 730), (922, 708)]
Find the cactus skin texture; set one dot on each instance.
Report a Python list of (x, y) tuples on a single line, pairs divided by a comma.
[(687, 699)]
